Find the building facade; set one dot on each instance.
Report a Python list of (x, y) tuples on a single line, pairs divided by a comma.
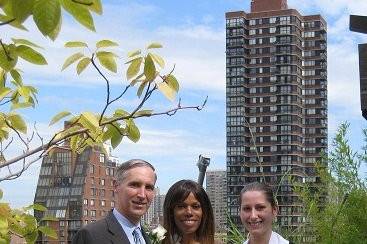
[(154, 216), (276, 102), (76, 189), (216, 188), (359, 24)]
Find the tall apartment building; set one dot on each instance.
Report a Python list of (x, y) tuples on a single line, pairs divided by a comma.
[(216, 188), (276, 90), (154, 216), (76, 189)]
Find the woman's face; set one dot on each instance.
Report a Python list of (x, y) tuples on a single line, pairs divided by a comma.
[(187, 215), (256, 213)]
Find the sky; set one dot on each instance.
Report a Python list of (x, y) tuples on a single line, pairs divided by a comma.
[(193, 36)]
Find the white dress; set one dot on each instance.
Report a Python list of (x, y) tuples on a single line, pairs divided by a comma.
[(275, 238)]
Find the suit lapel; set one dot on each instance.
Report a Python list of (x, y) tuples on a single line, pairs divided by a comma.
[(118, 235), (145, 235)]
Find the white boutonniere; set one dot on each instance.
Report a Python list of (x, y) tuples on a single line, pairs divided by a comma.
[(157, 235)]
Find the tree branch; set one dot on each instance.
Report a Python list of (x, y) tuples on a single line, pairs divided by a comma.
[(7, 22)]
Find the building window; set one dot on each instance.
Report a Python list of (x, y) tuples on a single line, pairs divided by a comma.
[(92, 202), (101, 158), (252, 32), (85, 201), (93, 213), (272, 30), (102, 182), (85, 212), (272, 20), (252, 22), (309, 34), (91, 169), (103, 203), (273, 168)]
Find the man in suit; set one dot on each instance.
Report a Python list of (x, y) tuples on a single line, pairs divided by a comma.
[(134, 191)]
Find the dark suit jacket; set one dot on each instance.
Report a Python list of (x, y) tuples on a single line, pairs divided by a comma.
[(104, 231)]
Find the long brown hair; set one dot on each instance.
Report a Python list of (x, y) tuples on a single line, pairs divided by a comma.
[(176, 195)]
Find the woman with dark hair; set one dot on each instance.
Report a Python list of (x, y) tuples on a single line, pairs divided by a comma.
[(258, 210), (188, 215)]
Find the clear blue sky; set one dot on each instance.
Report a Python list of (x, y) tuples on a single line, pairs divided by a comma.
[(193, 35)]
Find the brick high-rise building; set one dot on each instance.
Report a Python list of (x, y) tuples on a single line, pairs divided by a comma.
[(216, 188), (76, 189), (276, 89)]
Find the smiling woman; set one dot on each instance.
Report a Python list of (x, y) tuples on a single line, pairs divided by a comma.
[(258, 210), (188, 215)]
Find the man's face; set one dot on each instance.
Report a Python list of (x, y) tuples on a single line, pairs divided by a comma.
[(135, 192)]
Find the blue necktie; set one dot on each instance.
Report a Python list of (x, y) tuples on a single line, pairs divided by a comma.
[(137, 237)]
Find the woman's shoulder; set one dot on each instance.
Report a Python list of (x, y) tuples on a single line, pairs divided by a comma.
[(277, 239)]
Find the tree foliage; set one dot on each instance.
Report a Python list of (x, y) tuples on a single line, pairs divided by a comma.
[(87, 128), (335, 211)]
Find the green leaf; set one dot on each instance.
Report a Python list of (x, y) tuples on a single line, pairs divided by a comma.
[(30, 55), (49, 218), (107, 60), (133, 132), (59, 116), (106, 43), (1, 194), (3, 3), (47, 15), (17, 123), (158, 59), (149, 68), (82, 65), (120, 113), (4, 91), (89, 121), (76, 44), (55, 32), (73, 58), (116, 135), (133, 53), (80, 13), (134, 68), (21, 105), (16, 76), (141, 88), (5, 18), (172, 82), (144, 112), (48, 231), (8, 59), (167, 91), (25, 42), (24, 91), (37, 206), (136, 80), (31, 237), (96, 6), (154, 45), (22, 9)]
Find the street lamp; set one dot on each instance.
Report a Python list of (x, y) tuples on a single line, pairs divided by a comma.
[(202, 164)]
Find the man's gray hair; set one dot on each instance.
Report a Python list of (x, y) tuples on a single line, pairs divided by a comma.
[(123, 169)]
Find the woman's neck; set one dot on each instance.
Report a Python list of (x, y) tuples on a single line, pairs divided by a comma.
[(263, 239), (189, 239)]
